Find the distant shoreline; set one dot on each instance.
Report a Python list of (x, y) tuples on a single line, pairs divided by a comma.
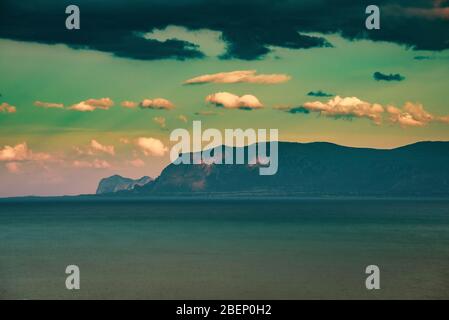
[(212, 198)]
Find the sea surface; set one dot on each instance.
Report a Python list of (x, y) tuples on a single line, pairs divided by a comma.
[(175, 249)]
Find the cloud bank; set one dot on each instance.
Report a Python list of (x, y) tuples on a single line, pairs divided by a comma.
[(410, 115), (250, 29)]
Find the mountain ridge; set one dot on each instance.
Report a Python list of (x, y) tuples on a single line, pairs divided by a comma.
[(118, 183), (317, 169)]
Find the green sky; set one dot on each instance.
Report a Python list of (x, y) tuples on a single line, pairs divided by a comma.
[(54, 73)]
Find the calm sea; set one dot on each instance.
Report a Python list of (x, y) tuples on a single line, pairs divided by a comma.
[(224, 249)]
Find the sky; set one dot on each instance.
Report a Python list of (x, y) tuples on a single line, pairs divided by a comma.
[(80, 105)]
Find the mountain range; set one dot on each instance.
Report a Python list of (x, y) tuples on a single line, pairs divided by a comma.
[(311, 169)]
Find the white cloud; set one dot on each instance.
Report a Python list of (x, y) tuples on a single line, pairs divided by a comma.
[(93, 104), (158, 103), (248, 76), (48, 105), (95, 145), (232, 101), (152, 146), (349, 106), (7, 108)]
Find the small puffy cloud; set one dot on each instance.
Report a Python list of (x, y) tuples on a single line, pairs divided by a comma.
[(96, 146), (320, 94), (158, 103), (183, 118), (347, 107), (152, 146), (411, 115), (48, 105), (160, 121), (124, 140), (379, 76), (248, 76), (232, 101), (95, 164), (7, 108), (13, 167), (93, 104), (129, 104)]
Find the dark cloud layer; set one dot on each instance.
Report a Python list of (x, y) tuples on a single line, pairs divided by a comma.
[(249, 27), (379, 76)]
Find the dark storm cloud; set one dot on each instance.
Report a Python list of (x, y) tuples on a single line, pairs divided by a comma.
[(250, 28), (379, 76), (319, 93)]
